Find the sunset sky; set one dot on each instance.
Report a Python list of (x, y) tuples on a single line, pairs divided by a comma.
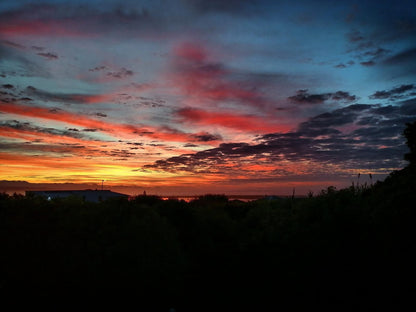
[(195, 96)]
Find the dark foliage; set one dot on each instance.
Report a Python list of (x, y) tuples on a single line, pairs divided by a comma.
[(410, 134)]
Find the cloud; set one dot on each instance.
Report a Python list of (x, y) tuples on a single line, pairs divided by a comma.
[(394, 93), (50, 56), (365, 48), (13, 44), (16, 55), (71, 98), (373, 56), (405, 57), (198, 77), (248, 123), (162, 133), (37, 48), (343, 96), (354, 36), (86, 21), (207, 137), (230, 6), (122, 73), (98, 68), (304, 97), (376, 54), (31, 128), (49, 149), (359, 136), (368, 63)]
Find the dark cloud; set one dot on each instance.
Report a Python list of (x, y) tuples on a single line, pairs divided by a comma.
[(371, 143), (135, 143), (31, 128), (101, 115), (49, 55), (376, 54), (13, 44), (344, 65), (206, 137), (26, 67), (85, 19), (8, 86), (98, 68), (122, 73), (37, 48), (408, 107), (366, 47), (404, 57), (340, 65), (394, 93), (55, 110), (44, 148), (358, 42), (354, 36), (304, 97), (229, 6), (323, 122), (69, 98), (368, 63), (372, 56), (121, 154), (343, 96)]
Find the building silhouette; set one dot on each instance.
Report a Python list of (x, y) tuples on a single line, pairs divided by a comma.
[(86, 195)]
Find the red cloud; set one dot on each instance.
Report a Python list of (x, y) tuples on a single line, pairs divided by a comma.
[(196, 76), (35, 27), (191, 52), (159, 133), (240, 122)]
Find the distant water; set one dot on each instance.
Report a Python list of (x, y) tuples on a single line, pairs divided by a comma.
[(187, 198), (244, 198), (190, 198)]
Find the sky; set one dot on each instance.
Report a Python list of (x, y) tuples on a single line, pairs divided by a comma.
[(193, 96)]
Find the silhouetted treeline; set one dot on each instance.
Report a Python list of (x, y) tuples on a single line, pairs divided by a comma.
[(340, 248)]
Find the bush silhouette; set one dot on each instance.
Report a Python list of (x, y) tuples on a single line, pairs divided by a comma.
[(410, 134)]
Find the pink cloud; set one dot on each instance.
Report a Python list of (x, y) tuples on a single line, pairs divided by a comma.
[(43, 28), (198, 76), (116, 129), (248, 123)]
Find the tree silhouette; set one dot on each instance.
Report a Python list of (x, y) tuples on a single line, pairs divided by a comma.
[(410, 134)]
